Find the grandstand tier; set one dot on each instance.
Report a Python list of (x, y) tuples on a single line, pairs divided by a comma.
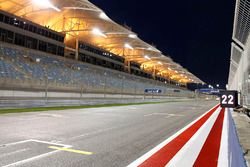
[(80, 30), (38, 56), (22, 68), (13, 28)]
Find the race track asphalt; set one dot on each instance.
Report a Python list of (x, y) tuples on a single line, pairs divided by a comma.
[(94, 137)]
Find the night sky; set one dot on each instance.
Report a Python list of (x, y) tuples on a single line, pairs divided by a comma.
[(195, 33)]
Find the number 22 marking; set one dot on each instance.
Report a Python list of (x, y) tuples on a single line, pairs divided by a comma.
[(230, 99)]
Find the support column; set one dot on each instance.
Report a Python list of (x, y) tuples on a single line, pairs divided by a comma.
[(77, 49), (154, 72), (127, 66)]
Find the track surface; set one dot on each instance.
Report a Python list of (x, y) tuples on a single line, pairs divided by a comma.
[(110, 136)]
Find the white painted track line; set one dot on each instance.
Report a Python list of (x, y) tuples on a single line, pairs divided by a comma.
[(30, 159), (38, 156), (15, 143)]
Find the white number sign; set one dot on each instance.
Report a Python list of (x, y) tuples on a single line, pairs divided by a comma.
[(229, 99)]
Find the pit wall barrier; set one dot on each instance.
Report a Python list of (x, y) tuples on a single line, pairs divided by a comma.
[(21, 99), (16, 94), (235, 152)]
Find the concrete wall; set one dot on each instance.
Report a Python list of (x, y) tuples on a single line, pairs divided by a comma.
[(17, 99)]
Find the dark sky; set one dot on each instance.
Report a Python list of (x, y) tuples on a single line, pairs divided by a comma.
[(195, 33)]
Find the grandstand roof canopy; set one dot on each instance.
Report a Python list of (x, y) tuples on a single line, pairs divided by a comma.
[(83, 20)]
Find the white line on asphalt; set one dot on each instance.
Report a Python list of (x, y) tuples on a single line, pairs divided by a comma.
[(176, 115), (30, 140), (93, 133), (155, 114), (30, 159), (51, 115), (51, 143), (167, 114), (96, 132), (38, 156), (14, 152), (14, 143), (144, 157)]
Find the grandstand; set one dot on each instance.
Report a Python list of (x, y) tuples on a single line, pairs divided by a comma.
[(76, 47)]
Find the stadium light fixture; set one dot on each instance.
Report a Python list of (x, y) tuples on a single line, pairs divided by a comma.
[(98, 32), (210, 86), (126, 45), (159, 62), (150, 48), (37, 60), (104, 16), (227, 86), (132, 36), (46, 4), (147, 57)]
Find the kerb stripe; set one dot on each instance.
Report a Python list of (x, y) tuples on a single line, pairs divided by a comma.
[(209, 153), (166, 153)]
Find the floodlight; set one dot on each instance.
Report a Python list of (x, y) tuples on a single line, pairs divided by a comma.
[(132, 36), (126, 45), (104, 16), (159, 62), (210, 86), (98, 32), (147, 57), (46, 4)]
